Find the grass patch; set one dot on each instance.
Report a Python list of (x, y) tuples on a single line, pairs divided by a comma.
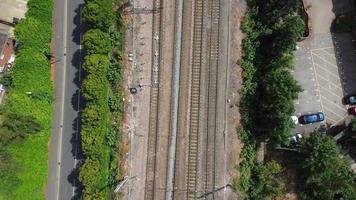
[(30, 75)]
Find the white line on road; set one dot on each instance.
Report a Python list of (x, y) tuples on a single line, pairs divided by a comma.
[(62, 104)]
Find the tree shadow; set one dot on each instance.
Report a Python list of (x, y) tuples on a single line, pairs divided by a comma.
[(77, 153), (344, 46), (77, 102)]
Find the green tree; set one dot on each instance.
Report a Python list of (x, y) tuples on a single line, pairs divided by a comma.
[(99, 14), (267, 183), (91, 176), (96, 64), (325, 175), (97, 42), (95, 88)]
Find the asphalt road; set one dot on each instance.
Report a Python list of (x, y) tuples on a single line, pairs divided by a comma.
[(65, 154)]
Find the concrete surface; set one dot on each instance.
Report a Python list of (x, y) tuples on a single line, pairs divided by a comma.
[(10, 9), (323, 65)]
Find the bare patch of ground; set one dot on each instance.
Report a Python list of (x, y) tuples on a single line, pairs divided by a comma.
[(238, 9)]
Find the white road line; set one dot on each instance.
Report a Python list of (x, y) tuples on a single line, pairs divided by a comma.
[(62, 104)]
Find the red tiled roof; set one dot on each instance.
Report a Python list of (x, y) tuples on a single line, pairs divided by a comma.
[(7, 50)]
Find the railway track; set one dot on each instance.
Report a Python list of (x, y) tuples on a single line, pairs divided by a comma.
[(195, 99), (199, 6), (212, 97), (154, 97)]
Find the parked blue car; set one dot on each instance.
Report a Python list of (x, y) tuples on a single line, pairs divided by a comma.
[(312, 118)]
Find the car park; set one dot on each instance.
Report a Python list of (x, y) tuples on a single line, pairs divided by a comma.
[(349, 100), (312, 118), (352, 110)]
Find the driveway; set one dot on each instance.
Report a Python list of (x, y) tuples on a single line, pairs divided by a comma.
[(323, 65)]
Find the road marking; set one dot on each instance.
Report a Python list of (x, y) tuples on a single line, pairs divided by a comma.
[(327, 71), (63, 95), (329, 119), (334, 65), (335, 123), (330, 111), (320, 76), (333, 103), (317, 81), (331, 55), (327, 90), (317, 49)]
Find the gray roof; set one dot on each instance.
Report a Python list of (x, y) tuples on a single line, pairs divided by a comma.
[(3, 39)]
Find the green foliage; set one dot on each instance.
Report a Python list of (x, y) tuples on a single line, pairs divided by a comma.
[(95, 88), (32, 33), (99, 14), (101, 117), (18, 127), (325, 175), (92, 177), (267, 183), (96, 64), (97, 42), (272, 29), (22, 114), (41, 10)]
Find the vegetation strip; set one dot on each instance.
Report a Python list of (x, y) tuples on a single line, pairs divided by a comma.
[(26, 115), (272, 29), (101, 89)]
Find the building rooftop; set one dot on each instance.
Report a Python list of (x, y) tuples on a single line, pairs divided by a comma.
[(3, 40)]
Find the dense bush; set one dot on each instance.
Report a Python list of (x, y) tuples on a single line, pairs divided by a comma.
[(99, 14), (271, 29), (97, 42), (325, 175), (267, 182), (32, 33), (100, 89)]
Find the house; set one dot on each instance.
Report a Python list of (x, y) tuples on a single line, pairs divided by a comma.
[(7, 56)]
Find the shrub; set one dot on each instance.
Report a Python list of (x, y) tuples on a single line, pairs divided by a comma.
[(30, 32), (96, 42), (99, 14)]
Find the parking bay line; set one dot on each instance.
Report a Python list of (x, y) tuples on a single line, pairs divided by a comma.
[(325, 60), (327, 71), (320, 76), (339, 97), (327, 57), (317, 81), (335, 104), (330, 111)]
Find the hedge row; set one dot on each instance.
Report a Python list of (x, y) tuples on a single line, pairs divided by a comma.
[(28, 108), (272, 29), (101, 116)]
